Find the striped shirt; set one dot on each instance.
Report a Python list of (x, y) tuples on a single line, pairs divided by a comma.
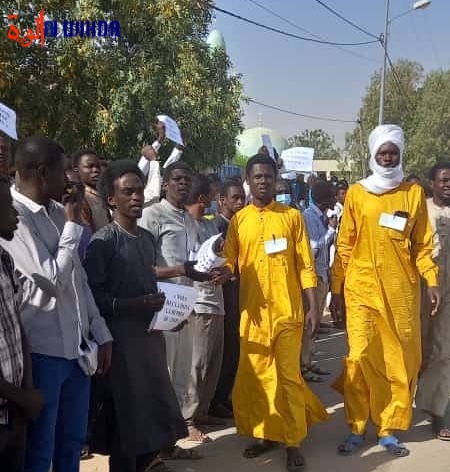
[(11, 355)]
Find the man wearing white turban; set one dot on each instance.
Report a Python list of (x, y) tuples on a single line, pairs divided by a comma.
[(384, 246)]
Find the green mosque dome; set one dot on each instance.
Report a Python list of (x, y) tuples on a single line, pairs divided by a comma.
[(250, 141), (215, 40)]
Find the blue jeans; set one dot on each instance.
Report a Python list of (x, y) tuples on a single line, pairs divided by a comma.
[(59, 432)]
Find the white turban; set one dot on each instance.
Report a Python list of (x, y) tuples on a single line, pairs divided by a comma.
[(384, 179)]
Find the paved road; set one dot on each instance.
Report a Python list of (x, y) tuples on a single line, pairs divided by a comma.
[(224, 454)]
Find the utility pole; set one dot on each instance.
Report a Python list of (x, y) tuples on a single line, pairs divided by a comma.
[(384, 43)]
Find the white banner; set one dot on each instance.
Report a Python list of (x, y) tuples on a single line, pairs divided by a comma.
[(298, 159), (180, 301), (8, 121), (172, 130)]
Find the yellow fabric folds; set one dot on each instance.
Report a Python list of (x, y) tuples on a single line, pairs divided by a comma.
[(270, 399), (381, 267)]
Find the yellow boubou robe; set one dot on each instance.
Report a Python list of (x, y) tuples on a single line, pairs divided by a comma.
[(381, 267), (270, 398)]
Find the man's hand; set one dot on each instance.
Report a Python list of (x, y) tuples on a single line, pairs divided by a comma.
[(31, 401), (71, 200), (180, 326), (149, 153), (220, 275), (312, 320), (104, 358), (154, 302), (435, 298), (191, 273)]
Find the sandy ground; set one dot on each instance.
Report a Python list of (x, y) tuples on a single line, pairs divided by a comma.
[(224, 454)]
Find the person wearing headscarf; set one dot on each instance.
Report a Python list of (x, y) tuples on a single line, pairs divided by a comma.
[(384, 246)]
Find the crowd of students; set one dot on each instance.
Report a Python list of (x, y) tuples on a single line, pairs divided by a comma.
[(83, 246)]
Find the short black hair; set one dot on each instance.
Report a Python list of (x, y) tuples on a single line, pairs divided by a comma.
[(321, 191), (230, 183), (114, 171), (76, 157), (440, 165), (260, 159), (413, 177), (342, 185), (286, 182), (214, 178), (35, 151), (201, 185), (175, 166)]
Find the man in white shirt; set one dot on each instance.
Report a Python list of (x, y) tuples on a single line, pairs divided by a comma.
[(149, 165), (58, 310)]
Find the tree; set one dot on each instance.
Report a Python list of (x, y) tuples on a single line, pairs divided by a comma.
[(431, 139), (320, 140), (401, 99), (106, 93)]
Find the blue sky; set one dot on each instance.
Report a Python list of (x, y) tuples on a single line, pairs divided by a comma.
[(323, 80)]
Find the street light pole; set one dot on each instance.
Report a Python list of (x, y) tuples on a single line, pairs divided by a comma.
[(384, 43), (418, 5)]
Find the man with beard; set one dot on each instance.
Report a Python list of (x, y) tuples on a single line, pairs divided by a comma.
[(434, 386), (88, 167), (268, 242), (120, 263), (175, 234), (58, 312), (384, 246)]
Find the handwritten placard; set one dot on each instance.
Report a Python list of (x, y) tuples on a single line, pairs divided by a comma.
[(179, 304), (267, 142), (298, 159), (172, 130), (8, 121)]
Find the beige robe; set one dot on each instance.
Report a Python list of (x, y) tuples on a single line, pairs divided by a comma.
[(434, 386)]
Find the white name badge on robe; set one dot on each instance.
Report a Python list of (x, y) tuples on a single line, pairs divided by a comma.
[(393, 222), (275, 245)]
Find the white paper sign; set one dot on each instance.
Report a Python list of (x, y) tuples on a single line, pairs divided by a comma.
[(268, 143), (172, 130), (206, 257), (298, 159), (179, 304), (8, 121)]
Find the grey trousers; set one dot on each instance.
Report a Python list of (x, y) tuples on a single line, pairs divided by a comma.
[(308, 341), (207, 355)]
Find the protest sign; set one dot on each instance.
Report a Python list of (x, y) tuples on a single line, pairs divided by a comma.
[(172, 130), (206, 256), (268, 143), (179, 304), (298, 159), (8, 121)]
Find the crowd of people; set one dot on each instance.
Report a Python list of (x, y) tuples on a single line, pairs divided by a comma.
[(84, 243)]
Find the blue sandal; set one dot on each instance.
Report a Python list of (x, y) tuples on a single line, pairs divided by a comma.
[(352, 443), (393, 446)]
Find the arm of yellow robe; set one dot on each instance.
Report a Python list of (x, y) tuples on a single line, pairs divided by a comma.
[(344, 246), (422, 244), (231, 246), (305, 262)]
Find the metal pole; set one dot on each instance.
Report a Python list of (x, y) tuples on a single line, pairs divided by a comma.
[(383, 72)]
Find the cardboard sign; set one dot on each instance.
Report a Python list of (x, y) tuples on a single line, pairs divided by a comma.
[(180, 301), (8, 121), (298, 159)]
